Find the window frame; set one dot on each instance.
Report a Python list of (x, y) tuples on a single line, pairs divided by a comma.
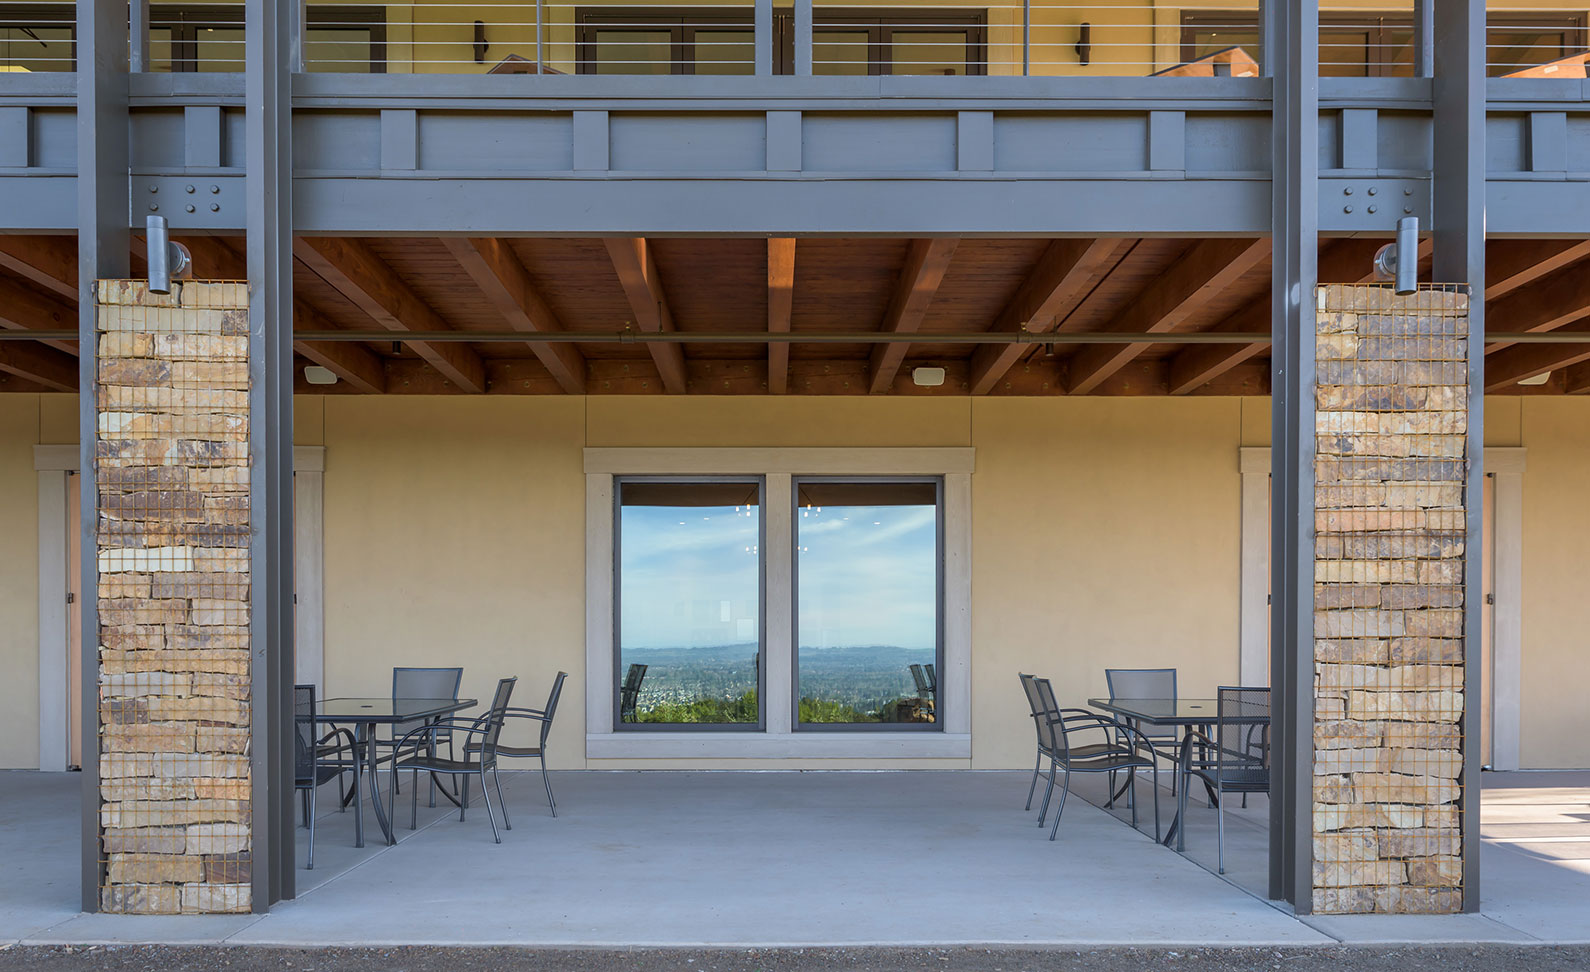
[(619, 726), (185, 22), (684, 25), (1377, 23), (796, 725)]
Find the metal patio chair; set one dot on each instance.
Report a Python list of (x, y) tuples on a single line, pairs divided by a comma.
[(629, 692), (421, 683), (927, 683), (316, 761), (1110, 756), (1147, 683), (539, 750), (423, 757), (1236, 760)]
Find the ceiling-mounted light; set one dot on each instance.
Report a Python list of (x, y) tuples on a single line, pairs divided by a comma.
[(316, 375), (1539, 379), (927, 377)]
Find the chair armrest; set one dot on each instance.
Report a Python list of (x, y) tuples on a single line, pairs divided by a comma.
[(448, 726)]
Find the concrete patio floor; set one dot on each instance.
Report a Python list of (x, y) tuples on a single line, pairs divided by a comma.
[(765, 859)]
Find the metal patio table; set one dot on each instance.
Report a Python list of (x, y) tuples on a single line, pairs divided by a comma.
[(365, 715), (1188, 714)]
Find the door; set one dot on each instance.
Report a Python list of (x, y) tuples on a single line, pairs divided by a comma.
[(74, 623), (1487, 615)]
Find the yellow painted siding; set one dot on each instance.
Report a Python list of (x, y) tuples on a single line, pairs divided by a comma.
[(19, 582)]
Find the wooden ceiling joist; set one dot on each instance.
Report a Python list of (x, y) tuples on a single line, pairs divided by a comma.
[(1576, 380), (637, 274), (30, 308), (353, 363), (49, 261), (780, 308), (926, 262), (1520, 361), (1510, 264), (1066, 273), (46, 366), (506, 284), (1205, 270), (1545, 305), (1345, 261), (350, 266)]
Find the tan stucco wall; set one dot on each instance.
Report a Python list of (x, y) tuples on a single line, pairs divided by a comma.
[(1556, 627), (1103, 530), (19, 582)]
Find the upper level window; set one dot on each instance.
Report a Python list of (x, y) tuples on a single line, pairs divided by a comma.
[(1380, 45), (205, 38), (856, 42)]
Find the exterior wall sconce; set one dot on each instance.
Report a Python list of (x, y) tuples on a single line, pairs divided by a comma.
[(1399, 261), (1084, 46), (167, 260), (481, 47)]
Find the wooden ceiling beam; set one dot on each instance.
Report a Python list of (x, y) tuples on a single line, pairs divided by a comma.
[(1520, 361), (350, 266), (1205, 270), (506, 284), (780, 309), (1576, 380), (637, 275), (353, 363), (926, 262), (32, 361), (1345, 261), (28, 307), (1066, 273), (1510, 264), (49, 261), (1545, 305)]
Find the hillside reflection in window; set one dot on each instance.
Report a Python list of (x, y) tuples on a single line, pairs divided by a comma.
[(689, 603), (867, 585)]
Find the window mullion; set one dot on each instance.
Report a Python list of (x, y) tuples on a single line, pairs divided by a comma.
[(778, 560)]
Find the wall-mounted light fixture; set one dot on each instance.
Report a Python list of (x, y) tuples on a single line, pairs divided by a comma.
[(481, 47), (927, 377), (1399, 261), (318, 375), (167, 260), (1084, 46)]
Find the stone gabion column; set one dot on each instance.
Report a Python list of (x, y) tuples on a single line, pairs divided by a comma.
[(172, 467), (1390, 546)]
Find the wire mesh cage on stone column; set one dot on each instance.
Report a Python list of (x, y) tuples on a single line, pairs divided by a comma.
[(172, 468), (1391, 465)]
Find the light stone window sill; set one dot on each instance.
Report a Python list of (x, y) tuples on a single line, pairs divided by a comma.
[(788, 745)]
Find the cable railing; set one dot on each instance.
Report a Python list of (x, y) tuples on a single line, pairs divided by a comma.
[(1008, 38)]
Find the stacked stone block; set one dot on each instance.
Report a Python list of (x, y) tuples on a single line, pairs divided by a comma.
[(1391, 465), (172, 468)]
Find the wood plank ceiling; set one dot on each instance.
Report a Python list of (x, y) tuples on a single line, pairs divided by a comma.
[(392, 287)]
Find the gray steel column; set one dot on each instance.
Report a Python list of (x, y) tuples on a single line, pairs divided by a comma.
[(803, 38), (268, 128), (763, 33), (103, 203), (1294, 28), (1459, 218), (138, 35), (1423, 38)]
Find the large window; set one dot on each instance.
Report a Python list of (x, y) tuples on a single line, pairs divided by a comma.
[(689, 604), (204, 38), (862, 42), (1380, 45), (867, 609)]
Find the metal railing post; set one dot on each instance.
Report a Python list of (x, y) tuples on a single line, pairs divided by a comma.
[(764, 38), (137, 36), (803, 38)]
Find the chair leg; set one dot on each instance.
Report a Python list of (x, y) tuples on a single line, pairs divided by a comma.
[(485, 796), (1037, 767), (310, 864), (1043, 808), (305, 801), (1220, 835), (1065, 788), (546, 781), (414, 805), (1156, 803), (463, 803), (1131, 793), (502, 803)]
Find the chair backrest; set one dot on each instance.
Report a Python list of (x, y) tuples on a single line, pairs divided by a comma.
[(1143, 683), (494, 719), (629, 695), (552, 707), (1242, 736), (423, 683), (304, 735), (1035, 706), (1050, 735), (920, 678), (932, 678)]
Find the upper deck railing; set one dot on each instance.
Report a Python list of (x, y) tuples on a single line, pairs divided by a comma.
[(1041, 38)]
